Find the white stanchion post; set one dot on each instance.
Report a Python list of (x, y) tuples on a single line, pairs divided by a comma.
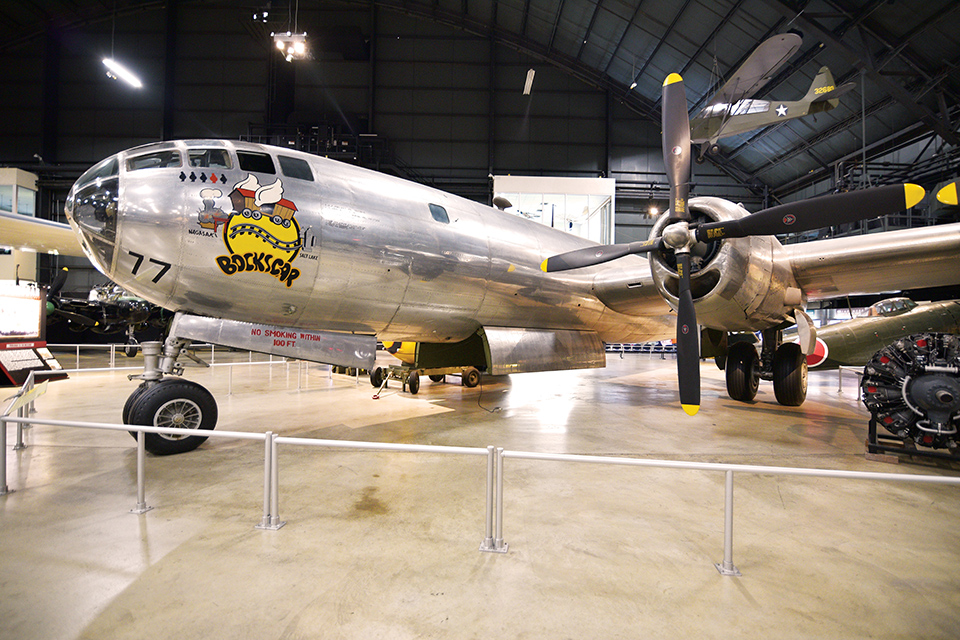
[(19, 445), (498, 543), (487, 544), (4, 490), (267, 476), (275, 522), (141, 475), (726, 568)]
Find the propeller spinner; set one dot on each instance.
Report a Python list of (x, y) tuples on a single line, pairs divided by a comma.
[(680, 236)]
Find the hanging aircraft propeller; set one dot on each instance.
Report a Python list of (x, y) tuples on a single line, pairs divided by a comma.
[(681, 236)]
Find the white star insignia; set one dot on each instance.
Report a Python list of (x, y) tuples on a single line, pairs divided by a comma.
[(782, 110)]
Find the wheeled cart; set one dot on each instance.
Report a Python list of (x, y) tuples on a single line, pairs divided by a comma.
[(410, 377)]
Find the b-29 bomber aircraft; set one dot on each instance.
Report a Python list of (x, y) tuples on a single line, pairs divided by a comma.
[(288, 253)]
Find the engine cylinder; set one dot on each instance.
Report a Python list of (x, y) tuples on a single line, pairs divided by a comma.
[(912, 389)]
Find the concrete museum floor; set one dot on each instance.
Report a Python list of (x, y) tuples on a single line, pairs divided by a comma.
[(386, 545)]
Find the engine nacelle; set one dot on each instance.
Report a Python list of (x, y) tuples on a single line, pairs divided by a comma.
[(741, 284)]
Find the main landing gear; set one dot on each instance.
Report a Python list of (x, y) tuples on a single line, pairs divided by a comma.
[(782, 363), (169, 402)]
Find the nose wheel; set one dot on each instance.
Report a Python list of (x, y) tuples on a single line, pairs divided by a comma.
[(173, 403)]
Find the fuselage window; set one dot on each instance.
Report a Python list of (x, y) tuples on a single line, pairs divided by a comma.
[(295, 168), (439, 214), (105, 169), (158, 160), (209, 158), (255, 162)]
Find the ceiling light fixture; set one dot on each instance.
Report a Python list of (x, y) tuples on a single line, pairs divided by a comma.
[(116, 71), (292, 45), (528, 85)]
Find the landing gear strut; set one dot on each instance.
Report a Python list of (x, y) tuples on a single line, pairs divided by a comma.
[(169, 402), (782, 363)]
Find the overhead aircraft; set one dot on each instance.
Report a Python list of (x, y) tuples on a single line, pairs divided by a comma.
[(289, 253), (731, 111)]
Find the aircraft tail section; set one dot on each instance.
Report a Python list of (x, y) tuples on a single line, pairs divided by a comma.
[(821, 85), (824, 94)]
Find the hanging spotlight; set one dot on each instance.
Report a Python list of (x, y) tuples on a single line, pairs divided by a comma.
[(528, 85), (292, 45), (116, 71)]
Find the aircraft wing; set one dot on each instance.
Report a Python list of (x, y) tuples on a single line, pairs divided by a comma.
[(46, 236), (758, 68), (877, 262)]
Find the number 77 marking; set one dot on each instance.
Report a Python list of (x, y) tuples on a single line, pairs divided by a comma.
[(136, 267)]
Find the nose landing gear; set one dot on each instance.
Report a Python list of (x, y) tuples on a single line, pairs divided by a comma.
[(169, 402)]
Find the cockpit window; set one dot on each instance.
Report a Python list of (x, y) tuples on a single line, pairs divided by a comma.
[(104, 169), (156, 160), (209, 158), (439, 214), (295, 168), (255, 162)]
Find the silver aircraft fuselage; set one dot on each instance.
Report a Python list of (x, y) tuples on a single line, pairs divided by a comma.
[(247, 232), (253, 233)]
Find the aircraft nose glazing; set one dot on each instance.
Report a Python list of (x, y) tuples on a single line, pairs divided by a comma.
[(93, 205)]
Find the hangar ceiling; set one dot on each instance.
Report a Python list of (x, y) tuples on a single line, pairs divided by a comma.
[(903, 55)]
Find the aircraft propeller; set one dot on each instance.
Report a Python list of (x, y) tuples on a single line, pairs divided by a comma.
[(680, 236)]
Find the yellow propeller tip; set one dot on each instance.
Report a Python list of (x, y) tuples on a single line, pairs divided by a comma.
[(673, 77), (948, 195), (543, 265), (690, 409), (913, 193)]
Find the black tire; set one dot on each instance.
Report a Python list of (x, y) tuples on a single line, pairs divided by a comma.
[(413, 382), (128, 405), (174, 403), (742, 372), (376, 377), (130, 349), (470, 377), (438, 377), (790, 375)]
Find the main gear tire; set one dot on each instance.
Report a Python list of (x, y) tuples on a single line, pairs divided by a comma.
[(790, 375), (173, 403), (742, 372)]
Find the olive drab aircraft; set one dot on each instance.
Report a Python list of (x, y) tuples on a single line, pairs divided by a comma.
[(851, 343), (731, 111), (288, 253)]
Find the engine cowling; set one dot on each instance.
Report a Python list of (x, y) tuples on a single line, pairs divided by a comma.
[(742, 284)]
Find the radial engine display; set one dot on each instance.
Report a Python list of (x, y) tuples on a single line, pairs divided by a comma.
[(912, 389)]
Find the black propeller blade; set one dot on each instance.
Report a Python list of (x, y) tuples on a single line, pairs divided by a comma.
[(58, 283), (677, 153), (597, 255), (676, 144), (688, 345), (816, 213)]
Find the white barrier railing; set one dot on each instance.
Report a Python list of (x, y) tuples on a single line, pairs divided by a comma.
[(854, 370), (493, 539)]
